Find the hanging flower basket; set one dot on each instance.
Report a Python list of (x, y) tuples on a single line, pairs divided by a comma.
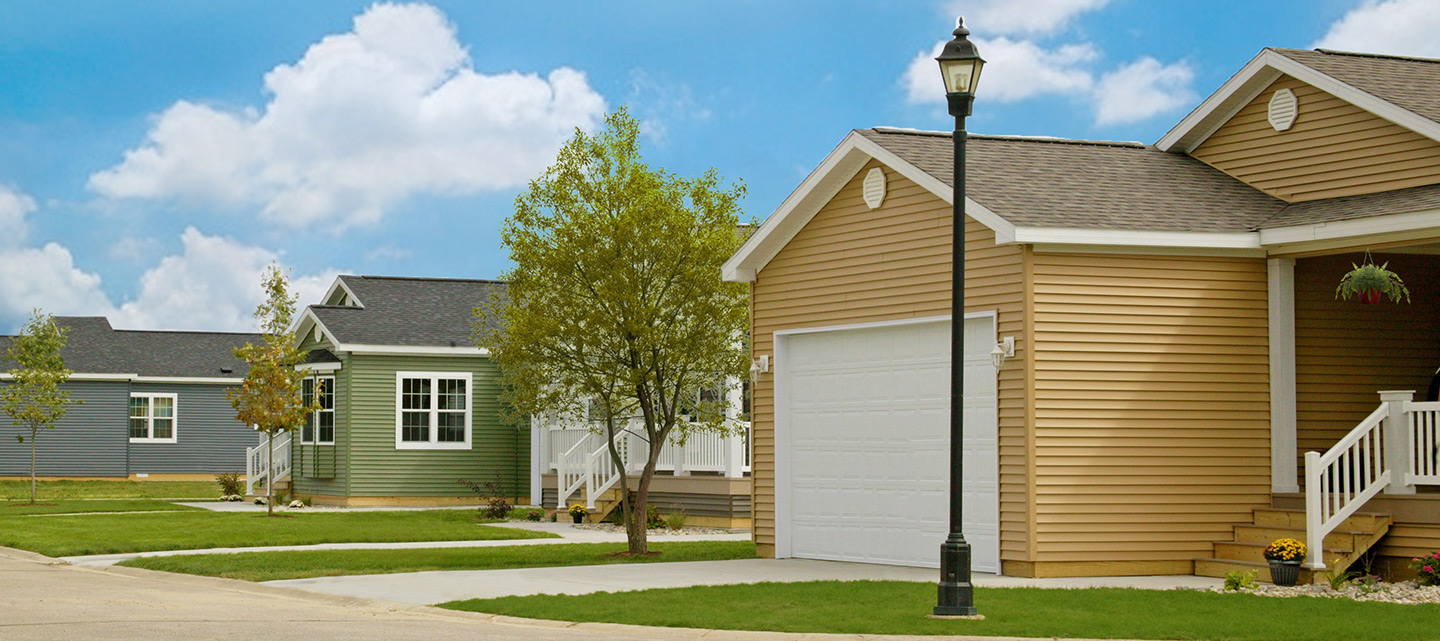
[(1369, 282)]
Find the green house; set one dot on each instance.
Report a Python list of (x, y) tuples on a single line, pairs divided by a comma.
[(409, 406)]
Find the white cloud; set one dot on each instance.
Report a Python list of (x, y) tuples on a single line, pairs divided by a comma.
[(1020, 16), (1399, 27), (213, 284), (134, 249), (385, 253), (47, 278), (14, 206), (362, 121), (1014, 70), (1142, 89), (658, 105)]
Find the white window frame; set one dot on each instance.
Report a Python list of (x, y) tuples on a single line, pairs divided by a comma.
[(329, 383), (150, 417), (435, 378)]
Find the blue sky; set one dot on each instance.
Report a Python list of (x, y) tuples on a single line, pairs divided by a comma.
[(154, 156)]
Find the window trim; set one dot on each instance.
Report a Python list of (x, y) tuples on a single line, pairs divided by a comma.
[(315, 415), (150, 417), (434, 411)]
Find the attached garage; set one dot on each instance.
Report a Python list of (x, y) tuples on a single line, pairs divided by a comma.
[(862, 425)]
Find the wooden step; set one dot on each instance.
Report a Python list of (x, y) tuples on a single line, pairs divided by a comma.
[(1267, 534), (1218, 568), (1358, 522), (1255, 552)]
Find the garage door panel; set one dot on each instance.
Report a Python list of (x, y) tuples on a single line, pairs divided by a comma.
[(868, 414)]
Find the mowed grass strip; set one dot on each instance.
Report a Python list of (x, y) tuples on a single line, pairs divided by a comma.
[(50, 491), (78, 506), (274, 566), (121, 533), (893, 607)]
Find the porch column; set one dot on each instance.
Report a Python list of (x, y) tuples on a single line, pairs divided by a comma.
[(1284, 472), (1396, 440), (734, 454), (539, 454)]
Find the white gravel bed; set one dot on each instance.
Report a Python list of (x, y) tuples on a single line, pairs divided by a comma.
[(610, 527), (1405, 592)]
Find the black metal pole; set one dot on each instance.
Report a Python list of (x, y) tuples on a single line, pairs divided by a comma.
[(956, 595)]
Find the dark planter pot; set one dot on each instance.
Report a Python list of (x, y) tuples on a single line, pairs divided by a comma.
[(580, 518), (1284, 573), (1371, 297)]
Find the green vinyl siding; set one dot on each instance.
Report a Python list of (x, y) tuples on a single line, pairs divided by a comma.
[(321, 469), (377, 468)]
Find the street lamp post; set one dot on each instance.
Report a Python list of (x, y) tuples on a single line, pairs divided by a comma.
[(960, 66)]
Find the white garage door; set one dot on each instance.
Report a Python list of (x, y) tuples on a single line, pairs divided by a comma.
[(865, 413)]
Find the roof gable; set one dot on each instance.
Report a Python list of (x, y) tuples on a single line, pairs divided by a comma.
[(401, 312)]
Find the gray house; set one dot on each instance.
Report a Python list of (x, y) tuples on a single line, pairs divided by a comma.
[(154, 406)]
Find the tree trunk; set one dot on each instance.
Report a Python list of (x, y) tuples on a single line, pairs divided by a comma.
[(33, 432), (270, 476)]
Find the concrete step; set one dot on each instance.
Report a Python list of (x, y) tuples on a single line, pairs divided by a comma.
[(1220, 567), (1358, 522), (1255, 552)]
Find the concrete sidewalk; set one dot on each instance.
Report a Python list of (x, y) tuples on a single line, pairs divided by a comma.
[(439, 587), (567, 532)]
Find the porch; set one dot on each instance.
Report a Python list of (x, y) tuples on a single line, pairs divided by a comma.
[(706, 477)]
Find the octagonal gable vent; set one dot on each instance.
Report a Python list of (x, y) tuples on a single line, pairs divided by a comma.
[(1283, 108), (874, 187)]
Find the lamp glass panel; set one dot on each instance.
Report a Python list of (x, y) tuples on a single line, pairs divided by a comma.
[(958, 75)]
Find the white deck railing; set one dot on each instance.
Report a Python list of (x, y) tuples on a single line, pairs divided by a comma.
[(1341, 480), (257, 461), (581, 458), (1424, 444)]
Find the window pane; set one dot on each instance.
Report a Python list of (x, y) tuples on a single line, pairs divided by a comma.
[(164, 428), (307, 431), (415, 394), (163, 407), (138, 428), (452, 394), (307, 391), (139, 406), (327, 393), (452, 427), (327, 427), (415, 426)]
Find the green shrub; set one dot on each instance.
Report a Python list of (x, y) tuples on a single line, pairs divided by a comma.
[(1238, 580), (652, 517), (675, 520), (1427, 569), (230, 484)]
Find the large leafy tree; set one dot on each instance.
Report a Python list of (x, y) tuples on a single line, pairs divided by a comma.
[(616, 300), (35, 398), (269, 398)]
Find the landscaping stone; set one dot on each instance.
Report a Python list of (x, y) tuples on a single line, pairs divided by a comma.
[(1404, 592), (611, 527)]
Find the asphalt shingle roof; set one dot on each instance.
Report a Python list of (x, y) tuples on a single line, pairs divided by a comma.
[(425, 312), (93, 347), (1408, 83), (1045, 182)]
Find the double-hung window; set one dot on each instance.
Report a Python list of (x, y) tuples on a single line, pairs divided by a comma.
[(319, 425), (432, 410), (152, 418)]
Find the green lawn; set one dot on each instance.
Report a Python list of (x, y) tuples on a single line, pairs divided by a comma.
[(49, 491), (76, 506), (272, 566), (892, 607), (119, 533)]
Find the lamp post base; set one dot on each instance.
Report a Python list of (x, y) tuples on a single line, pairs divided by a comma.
[(956, 595)]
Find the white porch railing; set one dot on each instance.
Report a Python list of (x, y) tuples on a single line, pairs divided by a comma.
[(1394, 449), (581, 458), (257, 461)]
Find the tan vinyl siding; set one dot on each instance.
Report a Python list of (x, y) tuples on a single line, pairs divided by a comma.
[(1151, 406), (851, 264), (1346, 351), (1333, 149)]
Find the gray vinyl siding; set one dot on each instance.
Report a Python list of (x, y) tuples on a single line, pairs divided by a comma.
[(694, 504), (91, 439), (208, 438), (322, 469)]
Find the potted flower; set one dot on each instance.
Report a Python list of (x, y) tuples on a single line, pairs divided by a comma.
[(1427, 569), (1285, 556), (577, 512), (1369, 282)]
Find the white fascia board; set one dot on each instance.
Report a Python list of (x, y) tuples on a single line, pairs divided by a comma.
[(354, 348), (1127, 238), (1351, 228), (340, 284), (821, 186), (188, 380), (318, 367), (7, 376), (1259, 73), (308, 320)]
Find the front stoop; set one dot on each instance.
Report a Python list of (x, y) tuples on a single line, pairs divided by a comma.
[(1343, 547), (604, 505)]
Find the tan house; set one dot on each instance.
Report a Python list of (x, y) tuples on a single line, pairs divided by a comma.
[(1177, 344)]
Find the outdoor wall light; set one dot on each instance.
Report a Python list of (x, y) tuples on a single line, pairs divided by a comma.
[(1003, 350), (759, 366)]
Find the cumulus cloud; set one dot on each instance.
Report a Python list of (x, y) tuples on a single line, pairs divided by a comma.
[(362, 121), (1020, 16), (1398, 27), (1014, 70), (1142, 89), (47, 278), (14, 206)]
